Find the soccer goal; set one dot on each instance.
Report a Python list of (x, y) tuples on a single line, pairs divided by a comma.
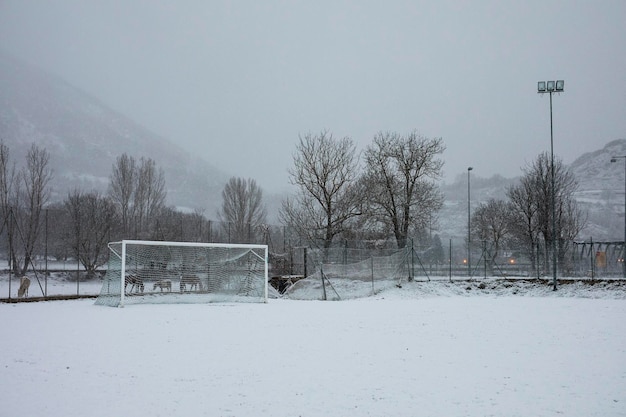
[(152, 272)]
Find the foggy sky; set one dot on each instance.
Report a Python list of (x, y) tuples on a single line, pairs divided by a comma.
[(237, 82)]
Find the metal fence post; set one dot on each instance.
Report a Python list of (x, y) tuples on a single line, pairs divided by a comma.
[(450, 261), (372, 272)]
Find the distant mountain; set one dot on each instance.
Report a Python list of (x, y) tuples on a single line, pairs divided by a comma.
[(452, 219), (601, 191), (600, 195), (594, 170), (84, 137)]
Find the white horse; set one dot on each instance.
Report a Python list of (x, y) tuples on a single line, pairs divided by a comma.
[(24, 285), (163, 284)]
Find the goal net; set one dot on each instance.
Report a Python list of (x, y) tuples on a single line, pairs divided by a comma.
[(334, 279), (152, 272)]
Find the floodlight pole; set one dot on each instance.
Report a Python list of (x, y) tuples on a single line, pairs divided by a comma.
[(553, 202), (551, 87), (614, 159), (469, 234)]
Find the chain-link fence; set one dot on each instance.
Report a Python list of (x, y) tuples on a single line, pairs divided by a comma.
[(352, 269), (65, 261)]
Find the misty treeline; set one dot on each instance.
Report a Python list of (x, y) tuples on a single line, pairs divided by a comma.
[(524, 219), (391, 190), (83, 223)]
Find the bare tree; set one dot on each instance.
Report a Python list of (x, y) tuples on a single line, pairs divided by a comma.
[(400, 176), (524, 219), (169, 225), (490, 224), (325, 172), (122, 188), (92, 219), (32, 195), (173, 225), (58, 227), (8, 179), (150, 194), (138, 191), (7, 175), (532, 199), (200, 226), (242, 209)]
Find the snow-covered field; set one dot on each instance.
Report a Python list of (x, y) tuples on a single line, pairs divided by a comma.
[(431, 349)]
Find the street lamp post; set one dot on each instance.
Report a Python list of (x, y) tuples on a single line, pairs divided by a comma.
[(614, 159), (552, 87), (469, 234)]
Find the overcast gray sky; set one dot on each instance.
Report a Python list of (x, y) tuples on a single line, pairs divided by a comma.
[(237, 82)]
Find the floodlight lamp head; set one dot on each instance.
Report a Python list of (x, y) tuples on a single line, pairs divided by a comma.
[(541, 87), (470, 168), (550, 86), (560, 85)]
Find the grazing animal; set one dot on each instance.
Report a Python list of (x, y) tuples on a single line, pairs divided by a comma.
[(24, 285), (163, 284), (136, 283), (191, 280)]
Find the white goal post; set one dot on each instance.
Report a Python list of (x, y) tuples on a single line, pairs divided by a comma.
[(155, 272)]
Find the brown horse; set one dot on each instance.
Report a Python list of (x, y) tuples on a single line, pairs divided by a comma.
[(136, 283), (191, 280)]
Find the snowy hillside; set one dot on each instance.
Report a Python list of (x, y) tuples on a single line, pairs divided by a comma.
[(84, 137), (601, 191)]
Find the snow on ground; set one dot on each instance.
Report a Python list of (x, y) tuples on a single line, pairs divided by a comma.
[(64, 284), (435, 349)]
